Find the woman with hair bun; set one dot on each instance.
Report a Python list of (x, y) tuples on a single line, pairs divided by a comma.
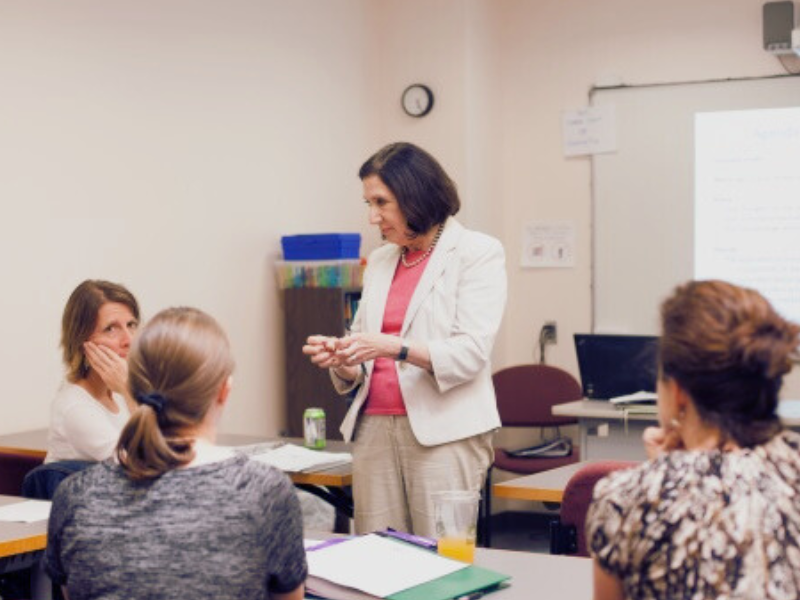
[(715, 512), (178, 516)]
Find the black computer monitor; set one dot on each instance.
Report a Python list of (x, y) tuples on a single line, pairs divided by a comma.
[(616, 365)]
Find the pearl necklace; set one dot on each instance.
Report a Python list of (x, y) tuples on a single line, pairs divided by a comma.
[(427, 253)]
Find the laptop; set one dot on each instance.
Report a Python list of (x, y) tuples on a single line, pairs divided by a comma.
[(616, 365)]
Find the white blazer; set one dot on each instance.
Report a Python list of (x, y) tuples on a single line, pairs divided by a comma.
[(456, 311)]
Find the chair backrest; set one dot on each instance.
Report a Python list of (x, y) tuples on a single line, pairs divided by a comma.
[(41, 482), (13, 468), (527, 393), (578, 497)]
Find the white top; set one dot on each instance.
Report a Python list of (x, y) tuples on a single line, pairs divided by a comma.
[(81, 428), (456, 310)]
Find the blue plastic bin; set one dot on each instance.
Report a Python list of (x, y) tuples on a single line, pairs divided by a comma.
[(321, 246)]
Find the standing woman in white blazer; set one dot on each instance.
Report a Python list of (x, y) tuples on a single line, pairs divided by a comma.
[(418, 356)]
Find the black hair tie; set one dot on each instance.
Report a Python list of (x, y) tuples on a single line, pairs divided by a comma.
[(154, 400)]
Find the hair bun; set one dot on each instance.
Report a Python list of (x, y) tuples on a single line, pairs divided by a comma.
[(766, 348)]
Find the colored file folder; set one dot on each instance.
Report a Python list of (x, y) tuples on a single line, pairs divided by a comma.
[(456, 585)]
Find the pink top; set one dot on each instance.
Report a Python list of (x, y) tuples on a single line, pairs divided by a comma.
[(385, 397)]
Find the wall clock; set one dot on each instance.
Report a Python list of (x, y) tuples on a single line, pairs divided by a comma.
[(417, 100)]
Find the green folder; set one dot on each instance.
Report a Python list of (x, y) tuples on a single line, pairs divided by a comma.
[(462, 583)]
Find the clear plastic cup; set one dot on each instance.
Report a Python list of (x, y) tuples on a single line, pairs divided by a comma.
[(456, 519)]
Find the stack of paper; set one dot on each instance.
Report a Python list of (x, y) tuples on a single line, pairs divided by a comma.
[(28, 511), (296, 459), (258, 448), (789, 409), (635, 398), (371, 567)]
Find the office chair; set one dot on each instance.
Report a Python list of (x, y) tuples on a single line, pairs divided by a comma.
[(13, 468), (526, 395), (568, 532)]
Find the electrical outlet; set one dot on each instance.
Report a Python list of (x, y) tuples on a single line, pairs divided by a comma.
[(549, 333)]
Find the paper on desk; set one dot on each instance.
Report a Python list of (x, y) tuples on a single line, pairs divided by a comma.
[(296, 459), (789, 409), (379, 566), (28, 511), (637, 397)]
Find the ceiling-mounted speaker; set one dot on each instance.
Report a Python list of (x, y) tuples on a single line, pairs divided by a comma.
[(778, 24)]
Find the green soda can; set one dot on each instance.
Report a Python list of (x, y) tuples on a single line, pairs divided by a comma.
[(314, 428)]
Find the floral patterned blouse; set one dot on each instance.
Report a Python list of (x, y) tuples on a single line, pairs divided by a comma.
[(703, 524)]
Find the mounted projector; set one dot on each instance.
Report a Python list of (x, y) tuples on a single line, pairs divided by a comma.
[(779, 21)]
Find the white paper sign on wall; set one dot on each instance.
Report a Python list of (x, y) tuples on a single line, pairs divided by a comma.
[(591, 130), (548, 244)]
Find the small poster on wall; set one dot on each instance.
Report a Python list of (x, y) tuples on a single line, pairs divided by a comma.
[(591, 130), (548, 244)]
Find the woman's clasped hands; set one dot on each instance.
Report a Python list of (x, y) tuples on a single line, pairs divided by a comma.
[(350, 350), (322, 351)]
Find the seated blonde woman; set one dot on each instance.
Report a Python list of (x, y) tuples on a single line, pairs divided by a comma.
[(179, 517), (715, 513), (91, 408)]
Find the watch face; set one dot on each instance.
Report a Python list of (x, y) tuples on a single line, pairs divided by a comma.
[(417, 100)]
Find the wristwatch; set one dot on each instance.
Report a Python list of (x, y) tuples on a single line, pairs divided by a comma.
[(403, 352)]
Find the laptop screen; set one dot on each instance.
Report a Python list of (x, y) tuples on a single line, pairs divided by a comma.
[(616, 365)]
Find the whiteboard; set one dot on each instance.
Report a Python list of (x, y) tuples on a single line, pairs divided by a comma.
[(643, 194)]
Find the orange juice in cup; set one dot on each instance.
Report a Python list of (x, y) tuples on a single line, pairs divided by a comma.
[(456, 520), (462, 549)]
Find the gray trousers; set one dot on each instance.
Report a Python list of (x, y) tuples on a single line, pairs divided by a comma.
[(394, 476)]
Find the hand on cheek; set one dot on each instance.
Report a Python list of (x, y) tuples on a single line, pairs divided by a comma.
[(112, 368), (658, 440)]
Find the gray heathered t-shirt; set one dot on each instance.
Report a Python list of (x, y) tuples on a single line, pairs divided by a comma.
[(226, 530)]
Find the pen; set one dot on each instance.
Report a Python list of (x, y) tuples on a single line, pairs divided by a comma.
[(482, 593)]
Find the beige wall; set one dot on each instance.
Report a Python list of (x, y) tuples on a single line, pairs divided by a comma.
[(554, 52), (168, 146)]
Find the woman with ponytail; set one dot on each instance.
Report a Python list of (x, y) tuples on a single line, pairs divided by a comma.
[(177, 516), (715, 512)]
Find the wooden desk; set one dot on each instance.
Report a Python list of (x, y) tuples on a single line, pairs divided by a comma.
[(20, 538), (547, 486), (533, 575), (21, 547), (332, 485), (340, 476), (34, 443), (544, 576)]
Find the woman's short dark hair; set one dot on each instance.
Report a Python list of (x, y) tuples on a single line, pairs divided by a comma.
[(80, 319), (425, 193), (729, 349)]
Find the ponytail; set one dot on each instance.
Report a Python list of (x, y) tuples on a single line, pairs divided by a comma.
[(177, 367)]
